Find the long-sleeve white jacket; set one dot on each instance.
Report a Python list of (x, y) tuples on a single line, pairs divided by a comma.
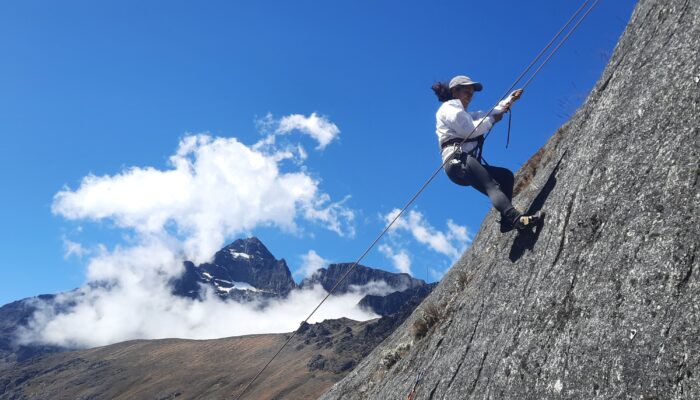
[(453, 122)]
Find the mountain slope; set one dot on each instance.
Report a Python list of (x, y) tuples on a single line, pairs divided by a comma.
[(245, 270), (318, 356), (603, 300), (13, 315), (175, 368)]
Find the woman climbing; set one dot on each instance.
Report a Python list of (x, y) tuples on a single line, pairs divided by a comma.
[(455, 124)]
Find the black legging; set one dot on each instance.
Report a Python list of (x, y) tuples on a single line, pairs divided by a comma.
[(495, 182)]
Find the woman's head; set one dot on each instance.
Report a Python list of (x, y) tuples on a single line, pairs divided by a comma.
[(460, 87), (442, 91), (464, 93)]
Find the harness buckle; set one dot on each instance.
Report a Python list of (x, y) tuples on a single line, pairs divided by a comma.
[(456, 154)]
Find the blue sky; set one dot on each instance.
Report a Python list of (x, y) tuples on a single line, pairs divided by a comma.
[(99, 88)]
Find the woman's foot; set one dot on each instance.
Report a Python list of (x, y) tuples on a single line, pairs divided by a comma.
[(527, 221), (509, 218), (515, 219)]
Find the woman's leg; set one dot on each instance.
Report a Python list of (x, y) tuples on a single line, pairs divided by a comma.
[(504, 178), (497, 184), (485, 183), (457, 172)]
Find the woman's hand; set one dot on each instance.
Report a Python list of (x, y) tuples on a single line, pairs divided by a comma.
[(513, 96)]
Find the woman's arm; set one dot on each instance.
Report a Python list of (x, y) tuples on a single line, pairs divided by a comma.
[(505, 105), (469, 127), (502, 107)]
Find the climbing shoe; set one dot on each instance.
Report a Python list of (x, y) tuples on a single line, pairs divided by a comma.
[(506, 225), (508, 219), (528, 221), (514, 219)]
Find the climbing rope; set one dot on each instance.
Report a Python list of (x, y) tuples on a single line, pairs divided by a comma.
[(414, 388), (510, 122), (430, 179), (527, 83)]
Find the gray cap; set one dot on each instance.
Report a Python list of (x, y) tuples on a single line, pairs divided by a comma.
[(461, 80)]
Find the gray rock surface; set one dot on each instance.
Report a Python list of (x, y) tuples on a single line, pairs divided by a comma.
[(603, 301)]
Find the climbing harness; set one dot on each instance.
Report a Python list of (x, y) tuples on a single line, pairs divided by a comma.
[(457, 152), (478, 151), (430, 179)]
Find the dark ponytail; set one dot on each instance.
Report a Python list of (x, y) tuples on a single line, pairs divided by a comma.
[(442, 91)]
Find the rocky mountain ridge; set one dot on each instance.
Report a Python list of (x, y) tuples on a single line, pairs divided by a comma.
[(360, 276), (243, 271)]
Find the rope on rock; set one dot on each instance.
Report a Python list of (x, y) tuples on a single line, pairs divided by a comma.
[(430, 179), (412, 392)]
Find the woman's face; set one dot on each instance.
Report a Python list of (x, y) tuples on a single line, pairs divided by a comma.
[(464, 94)]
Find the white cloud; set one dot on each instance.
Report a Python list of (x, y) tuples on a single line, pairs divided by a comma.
[(123, 312), (318, 127), (215, 188), (375, 288), (212, 190), (335, 216), (458, 233), (72, 248), (310, 263), (401, 259), (450, 243)]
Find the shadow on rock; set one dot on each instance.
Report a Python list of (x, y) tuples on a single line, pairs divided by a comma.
[(526, 239)]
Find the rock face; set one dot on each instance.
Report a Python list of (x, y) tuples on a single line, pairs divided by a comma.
[(603, 300)]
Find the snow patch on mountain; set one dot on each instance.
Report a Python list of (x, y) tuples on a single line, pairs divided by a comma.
[(227, 286), (236, 254)]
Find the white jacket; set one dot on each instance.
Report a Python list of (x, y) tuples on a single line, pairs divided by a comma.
[(453, 122)]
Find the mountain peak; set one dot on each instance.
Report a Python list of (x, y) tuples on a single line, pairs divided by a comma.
[(251, 246), (244, 269)]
